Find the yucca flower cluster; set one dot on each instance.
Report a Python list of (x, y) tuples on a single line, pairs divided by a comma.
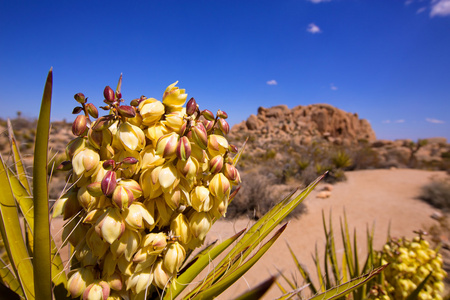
[(148, 180), (410, 262)]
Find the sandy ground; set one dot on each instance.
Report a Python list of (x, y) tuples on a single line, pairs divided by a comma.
[(369, 197)]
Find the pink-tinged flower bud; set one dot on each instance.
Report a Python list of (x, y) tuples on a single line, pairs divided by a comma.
[(115, 282), (98, 290), (200, 223), (75, 146), (137, 215), (188, 168), (126, 245), (209, 125), (160, 276), (155, 243), (184, 148), (183, 129), (217, 144), (174, 257), (233, 149), (191, 107), (101, 123), (77, 110), (109, 183), (110, 226), (65, 166), (216, 164), (174, 96), (180, 227), (200, 199), (199, 135), (222, 114), (109, 164), (79, 279), (208, 115), (122, 197), (126, 111), (80, 98), (134, 102), (151, 111), (230, 172), (133, 186), (150, 183), (154, 132), (143, 260), (93, 215), (118, 95), (174, 120), (92, 110), (131, 137), (129, 160), (167, 145), (95, 189), (79, 126), (140, 281), (95, 138), (220, 187), (224, 126), (108, 93)]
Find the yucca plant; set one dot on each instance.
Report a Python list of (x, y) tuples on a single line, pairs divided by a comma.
[(131, 227), (411, 270)]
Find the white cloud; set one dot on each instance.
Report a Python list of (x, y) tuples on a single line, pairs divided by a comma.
[(399, 121), (396, 121), (333, 87), (272, 82), (421, 10), (434, 121), (313, 28), (408, 2), (318, 1), (386, 121), (440, 8)]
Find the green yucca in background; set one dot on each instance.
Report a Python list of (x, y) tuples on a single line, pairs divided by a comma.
[(34, 270)]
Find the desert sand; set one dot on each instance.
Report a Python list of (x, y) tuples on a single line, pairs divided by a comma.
[(369, 197)]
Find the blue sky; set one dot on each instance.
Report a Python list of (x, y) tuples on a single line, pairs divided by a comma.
[(387, 60)]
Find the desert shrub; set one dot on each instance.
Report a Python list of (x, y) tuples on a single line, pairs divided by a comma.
[(341, 159), (437, 193), (256, 197)]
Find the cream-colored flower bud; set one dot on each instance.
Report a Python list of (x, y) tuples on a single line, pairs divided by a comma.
[(188, 168), (75, 146), (140, 281), (84, 254), (128, 170), (85, 162), (180, 227), (217, 145), (216, 164), (68, 205), (156, 131), (98, 290), (167, 145), (115, 281), (143, 259), (160, 277), (155, 242), (137, 215), (151, 111), (174, 120), (220, 186), (174, 96), (79, 279), (95, 243), (150, 183), (174, 257), (127, 245), (199, 224), (168, 177), (110, 226), (149, 159), (85, 199), (131, 137), (200, 199)]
